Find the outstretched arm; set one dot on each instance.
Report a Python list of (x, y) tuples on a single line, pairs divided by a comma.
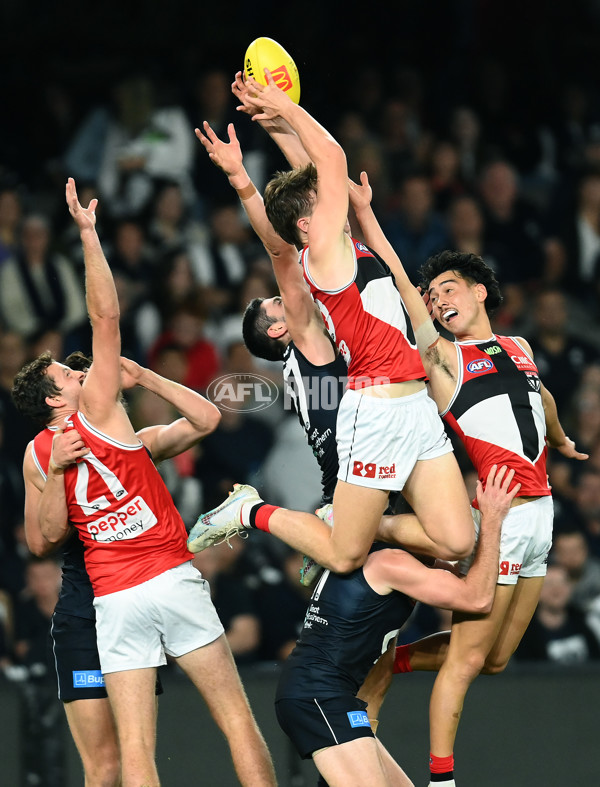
[(200, 417), (278, 129), (299, 306), (426, 335), (101, 388), (328, 219)]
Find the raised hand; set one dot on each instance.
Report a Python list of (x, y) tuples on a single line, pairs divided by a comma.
[(269, 99), (130, 373), (360, 196), (568, 449), (226, 155), (85, 218)]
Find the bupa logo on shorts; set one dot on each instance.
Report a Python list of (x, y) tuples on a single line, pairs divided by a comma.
[(88, 679), (358, 718), (365, 471), (480, 365)]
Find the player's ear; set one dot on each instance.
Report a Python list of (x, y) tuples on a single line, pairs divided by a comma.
[(276, 329), (53, 401), (481, 291), (303, 223)]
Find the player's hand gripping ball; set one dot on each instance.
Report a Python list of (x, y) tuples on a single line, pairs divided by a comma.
[(266, 53)]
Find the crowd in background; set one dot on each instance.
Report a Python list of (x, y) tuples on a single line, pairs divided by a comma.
[(519, 188)]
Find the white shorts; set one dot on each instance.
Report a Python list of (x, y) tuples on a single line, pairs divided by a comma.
[(169, 614), (525, 541), (379, 441)]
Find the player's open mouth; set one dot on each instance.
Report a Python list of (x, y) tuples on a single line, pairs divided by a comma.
[(448, 315)]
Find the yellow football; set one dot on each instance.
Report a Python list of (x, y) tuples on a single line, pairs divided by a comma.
[(266, 53)]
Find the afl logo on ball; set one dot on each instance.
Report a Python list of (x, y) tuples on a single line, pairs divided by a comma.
[(480, 365)]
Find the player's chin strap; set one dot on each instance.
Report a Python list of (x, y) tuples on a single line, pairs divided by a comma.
[(426, 336)]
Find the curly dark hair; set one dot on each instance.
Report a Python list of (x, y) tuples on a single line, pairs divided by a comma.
[(469, 267), (31, 386), (254, 330), (288, 197)]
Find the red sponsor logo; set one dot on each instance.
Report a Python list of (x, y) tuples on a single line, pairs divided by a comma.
[(365, 471), (387, 471), (503, 568), (515, 568), (282, 78)]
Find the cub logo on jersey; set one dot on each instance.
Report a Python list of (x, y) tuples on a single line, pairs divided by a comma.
[(365, 471), (479, 365)]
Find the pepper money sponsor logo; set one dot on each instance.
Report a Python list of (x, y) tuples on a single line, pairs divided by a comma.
[(129, 521), (250, 392)]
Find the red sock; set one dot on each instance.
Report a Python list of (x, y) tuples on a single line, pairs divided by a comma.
[(443, 765), (402, 660), (260, 515)]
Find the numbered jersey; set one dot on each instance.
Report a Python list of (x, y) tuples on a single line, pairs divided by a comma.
[(121, 508), (497, 411), (347, 627), (315, 392), (368, 322)]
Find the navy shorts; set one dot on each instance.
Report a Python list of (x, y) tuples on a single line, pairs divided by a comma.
[(313, 724), (76, 659)]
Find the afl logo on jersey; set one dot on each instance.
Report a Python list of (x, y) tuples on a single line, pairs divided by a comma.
[(479, 365), (362, 247)]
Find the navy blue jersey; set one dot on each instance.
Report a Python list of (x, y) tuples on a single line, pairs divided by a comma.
[(346, 628), (315, 392), (76, 596)]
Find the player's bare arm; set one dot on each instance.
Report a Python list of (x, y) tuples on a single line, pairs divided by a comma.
[(331, 259), (555, 434), (303, 320), (101, 388), (46, 514), (278, 129), (200, 417), (473, 593)]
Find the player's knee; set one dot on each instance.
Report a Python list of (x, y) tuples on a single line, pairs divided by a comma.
[(460, 544), (471, 664), (494, 666), (344, 564), (105, 774)]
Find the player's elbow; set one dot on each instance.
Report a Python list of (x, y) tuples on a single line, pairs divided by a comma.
[(213, 418), (481, 604)]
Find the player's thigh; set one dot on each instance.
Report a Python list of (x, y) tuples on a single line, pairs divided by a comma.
[(437, 494), (520, 610), (93, 729), (357, 511), (212, 670), (352, 764), (133, 701), (394, 773)]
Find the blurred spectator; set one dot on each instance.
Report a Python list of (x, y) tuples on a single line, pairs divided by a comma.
[(465, 130), (466, 225), (282, 602), (10, 218), (578, 230), (43, 741), (571, 552), (512, 224), (587, 503), (558, 631), (224, 567), (144, 143), (170, 227), (185, 330), (132, 256), (446, 180), (559, 357), (399, 133), (39, 288), (18, 430), (233, 453), (256, 284), (414, 229), (222, 261)]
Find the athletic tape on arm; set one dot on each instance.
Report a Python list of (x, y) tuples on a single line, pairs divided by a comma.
[(426, 336)]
